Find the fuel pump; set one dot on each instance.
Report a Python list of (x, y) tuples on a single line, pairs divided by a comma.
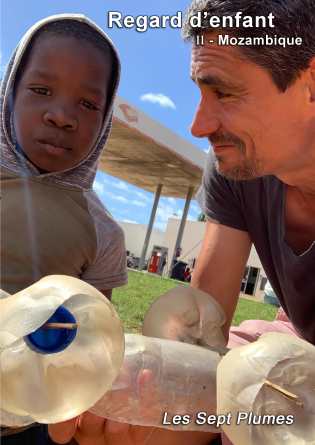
[(157, 260)]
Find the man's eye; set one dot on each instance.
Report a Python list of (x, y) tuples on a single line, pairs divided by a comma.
[(221, 95), (42, 91), (89, 105)]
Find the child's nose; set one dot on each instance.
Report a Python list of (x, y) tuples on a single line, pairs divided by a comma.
[(61, 117)]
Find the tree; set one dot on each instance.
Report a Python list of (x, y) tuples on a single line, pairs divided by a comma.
[(202, 217)]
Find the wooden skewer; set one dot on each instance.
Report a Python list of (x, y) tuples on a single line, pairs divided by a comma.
[(221, 351), (282, 392), (60, 326), (278, 388), (202, 343)]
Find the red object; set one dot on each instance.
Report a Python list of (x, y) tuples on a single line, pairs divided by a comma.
[(154, 263), (130, 114), (186, 274)]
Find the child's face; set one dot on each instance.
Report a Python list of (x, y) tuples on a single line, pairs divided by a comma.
[(60, 102)]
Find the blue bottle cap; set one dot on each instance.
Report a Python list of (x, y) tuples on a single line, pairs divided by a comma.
[(50, 341)]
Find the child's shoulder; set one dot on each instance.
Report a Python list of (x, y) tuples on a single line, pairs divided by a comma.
[(100, 213)]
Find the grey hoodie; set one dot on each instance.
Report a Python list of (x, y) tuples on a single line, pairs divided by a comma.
[(81, 175), (54, 223)]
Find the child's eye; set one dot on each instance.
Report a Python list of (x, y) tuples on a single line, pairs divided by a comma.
[(221, 95), (89, 105), (42, 91)]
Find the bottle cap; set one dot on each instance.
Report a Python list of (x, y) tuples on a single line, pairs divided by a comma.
[(50, 341)]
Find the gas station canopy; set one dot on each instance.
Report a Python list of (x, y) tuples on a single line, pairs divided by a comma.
[(145, 153)]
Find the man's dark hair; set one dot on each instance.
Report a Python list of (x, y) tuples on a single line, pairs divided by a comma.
[(69, 28), (293, 18)]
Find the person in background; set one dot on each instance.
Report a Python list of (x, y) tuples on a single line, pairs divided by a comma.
[(187, 275), (269, 295)]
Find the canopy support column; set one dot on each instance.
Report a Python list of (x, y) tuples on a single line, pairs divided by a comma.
[(150, 226), (182, 227)]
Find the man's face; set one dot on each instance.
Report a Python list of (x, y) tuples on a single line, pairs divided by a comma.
[(60, 102), (254, 129)]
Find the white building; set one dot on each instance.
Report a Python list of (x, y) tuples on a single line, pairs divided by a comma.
[(254, 278), (135, 235)]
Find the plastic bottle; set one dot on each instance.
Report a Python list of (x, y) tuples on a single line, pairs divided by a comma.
[(52, 375), (270, 393), (163, 376)]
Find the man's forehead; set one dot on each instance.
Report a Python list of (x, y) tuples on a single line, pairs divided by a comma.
[(219, 82), (211, 64)]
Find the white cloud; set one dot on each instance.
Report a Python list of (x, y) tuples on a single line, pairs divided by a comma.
[(195, 208), (120, 185), (161, 99), (123, 186), (118, 198), (2, 67), (172, 201), (189, 217), (160, 225), (124, 212), (166, 211), (99, 183), (98, 187), (102, 178), (139, 203), (143, 196), (129, 221)]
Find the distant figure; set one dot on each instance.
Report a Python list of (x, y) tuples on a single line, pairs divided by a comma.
[(270, 296), (187, 275)]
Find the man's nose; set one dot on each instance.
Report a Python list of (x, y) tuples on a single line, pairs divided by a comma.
[(62, 116), (206, 120)]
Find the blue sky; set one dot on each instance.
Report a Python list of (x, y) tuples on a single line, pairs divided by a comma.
[(155, 62)]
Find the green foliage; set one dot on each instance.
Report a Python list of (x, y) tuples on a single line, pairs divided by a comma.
[(132, 301), (202, 217)]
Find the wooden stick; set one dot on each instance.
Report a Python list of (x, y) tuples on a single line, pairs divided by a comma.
[(282, 392), (60, 326), (278, 388)]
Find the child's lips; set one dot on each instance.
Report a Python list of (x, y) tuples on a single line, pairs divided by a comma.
[(54, 150)]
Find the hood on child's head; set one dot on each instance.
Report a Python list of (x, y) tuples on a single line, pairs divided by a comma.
[(82, 174)]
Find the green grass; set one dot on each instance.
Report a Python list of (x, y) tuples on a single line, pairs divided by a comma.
[(252, 310), (132, 301)]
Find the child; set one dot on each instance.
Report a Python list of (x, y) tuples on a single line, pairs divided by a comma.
[(187, 275), (57, 97)]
